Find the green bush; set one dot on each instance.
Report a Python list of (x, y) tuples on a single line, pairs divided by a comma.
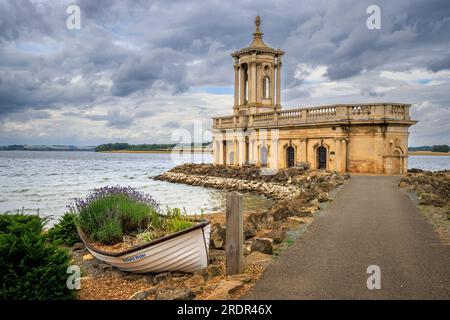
[(64, 232), (30, 267)]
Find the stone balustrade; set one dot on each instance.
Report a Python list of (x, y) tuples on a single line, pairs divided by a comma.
[(321, 114)]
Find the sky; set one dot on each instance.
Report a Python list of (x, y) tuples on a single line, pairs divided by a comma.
[(144, 71)]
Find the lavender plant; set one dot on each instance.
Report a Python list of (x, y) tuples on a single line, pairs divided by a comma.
[(108, 213)]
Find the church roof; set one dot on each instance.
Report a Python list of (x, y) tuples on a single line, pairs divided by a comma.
[(257, 45)]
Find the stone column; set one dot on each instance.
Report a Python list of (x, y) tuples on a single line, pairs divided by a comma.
[(298, 150), (254, 151), (303, 151), (241, 146), (215, 150), (221, 151), (272, 86), (242, 86), (273, 154), (337, 155), (236, 152), (254, 81), (278, 105), (344, 155), (236, 86)]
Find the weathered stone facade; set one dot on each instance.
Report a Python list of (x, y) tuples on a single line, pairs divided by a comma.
[(368, 138)]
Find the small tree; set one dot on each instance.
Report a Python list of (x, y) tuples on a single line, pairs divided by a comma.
[(30, 268)]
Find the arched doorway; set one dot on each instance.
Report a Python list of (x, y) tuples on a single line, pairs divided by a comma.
[(290, 157), (263, 156), (321, 157), (396, 162)]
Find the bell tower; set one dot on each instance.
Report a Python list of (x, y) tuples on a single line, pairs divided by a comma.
[(257, 76)]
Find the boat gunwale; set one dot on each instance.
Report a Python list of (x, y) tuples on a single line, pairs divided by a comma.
[(202, 223)]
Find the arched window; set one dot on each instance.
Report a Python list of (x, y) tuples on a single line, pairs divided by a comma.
[(290, 156), (266, 87)]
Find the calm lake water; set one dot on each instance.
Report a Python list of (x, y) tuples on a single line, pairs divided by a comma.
[(48, 181)]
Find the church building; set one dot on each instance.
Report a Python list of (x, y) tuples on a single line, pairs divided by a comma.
[(366, 138)]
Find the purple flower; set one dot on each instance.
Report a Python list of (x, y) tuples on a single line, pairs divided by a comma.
[(99, 193)]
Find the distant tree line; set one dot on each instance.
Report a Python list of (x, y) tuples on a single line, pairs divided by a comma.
[(22, 147), (120, 146), (435, 148)]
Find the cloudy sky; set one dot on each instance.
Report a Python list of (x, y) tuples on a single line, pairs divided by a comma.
[(138, 70)]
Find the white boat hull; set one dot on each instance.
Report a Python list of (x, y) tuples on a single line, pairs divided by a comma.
[(186, 251)]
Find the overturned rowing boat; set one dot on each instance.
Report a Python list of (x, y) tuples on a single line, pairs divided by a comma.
[(186, 251)]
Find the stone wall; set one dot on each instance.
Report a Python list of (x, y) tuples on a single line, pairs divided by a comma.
[(432, 188)]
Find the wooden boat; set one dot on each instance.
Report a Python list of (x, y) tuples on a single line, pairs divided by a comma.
[(186, 251)]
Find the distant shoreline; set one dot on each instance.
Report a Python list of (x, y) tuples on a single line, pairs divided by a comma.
[(187, 151), (157, 151), (428, 153)]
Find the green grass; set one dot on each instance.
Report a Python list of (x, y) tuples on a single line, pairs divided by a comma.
[(177, 221)]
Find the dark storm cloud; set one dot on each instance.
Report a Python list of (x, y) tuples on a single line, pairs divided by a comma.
[(440, 64), (130, 51), (141, 72), (21, 18)]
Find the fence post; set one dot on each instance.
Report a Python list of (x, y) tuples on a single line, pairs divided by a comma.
[(234, 241)]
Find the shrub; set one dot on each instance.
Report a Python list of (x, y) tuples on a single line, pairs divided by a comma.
[(64, 232), (109, 213), (30, 268)]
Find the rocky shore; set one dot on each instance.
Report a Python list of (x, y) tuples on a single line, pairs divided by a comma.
[(284, 184), (431, 191), (298, 194)]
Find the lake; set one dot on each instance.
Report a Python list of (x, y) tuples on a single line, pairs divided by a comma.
[(49, 180)]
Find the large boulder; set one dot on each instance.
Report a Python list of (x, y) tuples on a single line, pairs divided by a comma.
[(277, 234), (256, 258), (218, 235), (216, 256), (263, 245), (260, 218), (280, 211), (224, 289), (210, 272), (430, 199), (161, 277), (195, 281), (249, 230)]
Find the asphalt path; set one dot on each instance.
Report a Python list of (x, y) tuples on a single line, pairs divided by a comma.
[(369, 223)]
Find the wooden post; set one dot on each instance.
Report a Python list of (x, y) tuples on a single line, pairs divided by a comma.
[(234, 242)]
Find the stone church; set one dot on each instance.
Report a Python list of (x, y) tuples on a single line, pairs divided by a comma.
[(366, 138)]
